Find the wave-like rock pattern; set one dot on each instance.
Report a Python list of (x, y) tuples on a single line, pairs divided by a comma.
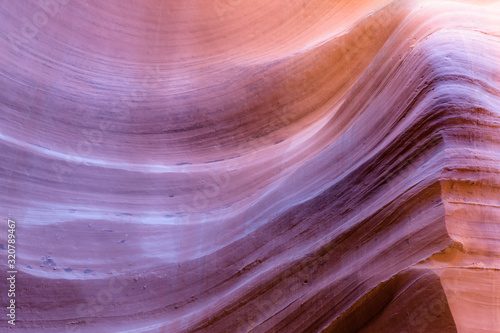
[(264, 166)]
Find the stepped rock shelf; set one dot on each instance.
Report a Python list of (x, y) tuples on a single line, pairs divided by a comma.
[(251, 166)]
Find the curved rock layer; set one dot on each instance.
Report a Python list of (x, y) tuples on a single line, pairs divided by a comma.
[(264, 166)]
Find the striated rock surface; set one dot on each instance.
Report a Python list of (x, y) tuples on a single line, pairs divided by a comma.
[(264, 166)]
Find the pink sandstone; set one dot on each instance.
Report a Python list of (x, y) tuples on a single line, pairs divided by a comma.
[(251, 166)]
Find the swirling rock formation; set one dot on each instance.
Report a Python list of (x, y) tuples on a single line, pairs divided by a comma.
[(264, 166)]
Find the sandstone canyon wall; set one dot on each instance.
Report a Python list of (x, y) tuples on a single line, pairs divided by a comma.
[(251, 166)]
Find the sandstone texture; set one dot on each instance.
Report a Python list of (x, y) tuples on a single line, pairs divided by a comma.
[(251, 166)]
